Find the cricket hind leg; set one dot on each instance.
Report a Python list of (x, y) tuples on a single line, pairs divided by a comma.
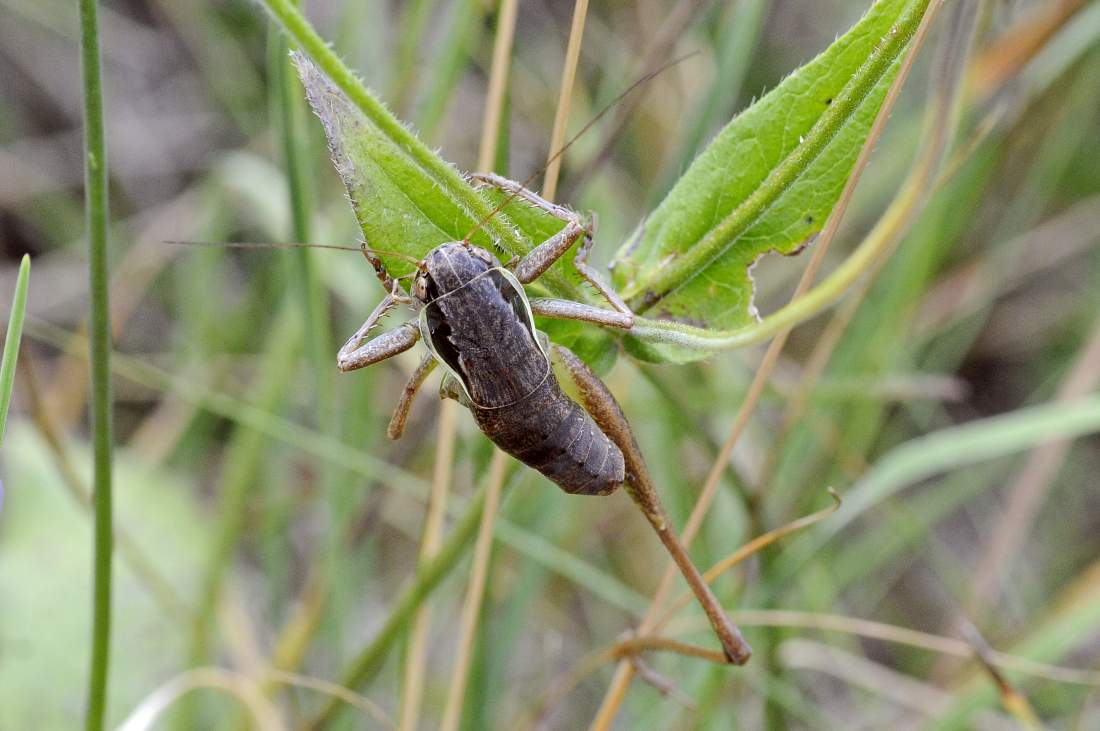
[(528, 268), (359, 352), (598, 401), (404, 404)]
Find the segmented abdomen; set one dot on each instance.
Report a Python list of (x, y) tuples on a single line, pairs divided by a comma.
[(553, 434)]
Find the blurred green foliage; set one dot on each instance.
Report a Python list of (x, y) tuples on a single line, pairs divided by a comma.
[(230, 475)]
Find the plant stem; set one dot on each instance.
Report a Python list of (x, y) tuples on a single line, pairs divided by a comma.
[(95, 198)]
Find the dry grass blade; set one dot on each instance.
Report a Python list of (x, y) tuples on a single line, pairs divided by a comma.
[(1004, 59), (498, 80), (475, 592), (670, 31), (565, 96), (416, 657), (854, 626), (901, 690), (617, 692)]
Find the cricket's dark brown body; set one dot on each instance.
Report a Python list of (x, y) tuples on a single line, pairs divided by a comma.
[(479, 325)]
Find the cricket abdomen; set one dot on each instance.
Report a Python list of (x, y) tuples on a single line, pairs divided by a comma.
[(551, 433)]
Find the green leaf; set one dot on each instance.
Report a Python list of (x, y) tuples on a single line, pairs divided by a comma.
[(409, 200), (767, 182), (11, 340)]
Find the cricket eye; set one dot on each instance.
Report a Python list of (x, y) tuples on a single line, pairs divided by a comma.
[(420, 289)]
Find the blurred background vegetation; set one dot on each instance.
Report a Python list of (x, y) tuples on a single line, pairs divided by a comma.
[(264, 520)]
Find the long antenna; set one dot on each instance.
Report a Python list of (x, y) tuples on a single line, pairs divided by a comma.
[(500, 207), (561, 150), (262, 245), (290, 245)]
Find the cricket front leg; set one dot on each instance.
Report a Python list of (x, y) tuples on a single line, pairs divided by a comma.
[(380, 271), (359, 352), (599, 402)]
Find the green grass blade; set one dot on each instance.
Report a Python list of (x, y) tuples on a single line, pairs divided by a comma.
[(945, 450), (12, 339), (95, 197), (428, 576)]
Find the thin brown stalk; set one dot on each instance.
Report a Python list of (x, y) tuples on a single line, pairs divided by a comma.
[(616, 694), (671, 30), (498, 81), (490, 135), (565, 96), (631, 646), (471, 608), (416, 657)]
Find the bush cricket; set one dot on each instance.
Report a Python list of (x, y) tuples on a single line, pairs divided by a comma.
[(478, 324)]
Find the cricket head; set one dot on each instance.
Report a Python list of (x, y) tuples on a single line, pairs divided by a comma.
[(450, 267)]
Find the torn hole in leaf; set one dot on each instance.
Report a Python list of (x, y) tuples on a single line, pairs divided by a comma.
[(773, 278)]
